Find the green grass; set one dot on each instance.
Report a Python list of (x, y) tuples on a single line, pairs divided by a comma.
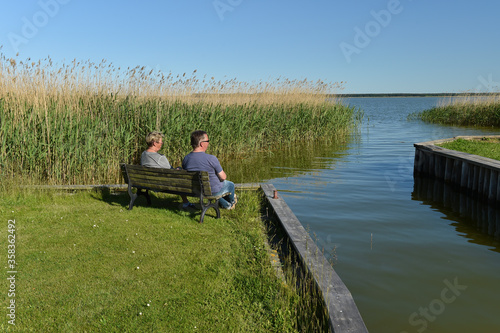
[(485, 147), (87, 264), (479, 112)]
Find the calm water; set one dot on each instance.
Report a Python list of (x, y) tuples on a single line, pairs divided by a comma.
[(414, 262)]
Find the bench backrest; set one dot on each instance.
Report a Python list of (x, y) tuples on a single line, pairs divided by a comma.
[(191, 183)]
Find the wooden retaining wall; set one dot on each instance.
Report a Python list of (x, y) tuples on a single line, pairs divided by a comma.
[(479, 176), (343, 313)]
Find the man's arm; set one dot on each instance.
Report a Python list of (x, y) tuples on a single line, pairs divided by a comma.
[(222, 176)]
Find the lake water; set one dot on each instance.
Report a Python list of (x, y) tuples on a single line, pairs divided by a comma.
[(413, 262)]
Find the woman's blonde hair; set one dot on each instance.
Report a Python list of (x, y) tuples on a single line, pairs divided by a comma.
[(153, 137)]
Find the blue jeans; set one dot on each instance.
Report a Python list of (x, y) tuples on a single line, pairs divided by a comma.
[(228, 200)]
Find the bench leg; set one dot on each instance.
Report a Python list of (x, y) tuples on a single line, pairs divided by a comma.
[(134, 196), (204, 208)]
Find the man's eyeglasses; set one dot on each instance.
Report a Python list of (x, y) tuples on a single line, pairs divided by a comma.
[(206, 141)]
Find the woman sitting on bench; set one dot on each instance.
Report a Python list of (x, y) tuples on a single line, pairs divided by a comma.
[(152, 159)]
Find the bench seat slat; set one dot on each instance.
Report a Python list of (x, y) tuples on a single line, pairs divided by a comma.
[(165, 182), (167, 189)]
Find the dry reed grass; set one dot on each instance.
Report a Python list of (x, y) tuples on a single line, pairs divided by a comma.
[(43, 81), (74, 123), (471, 100)]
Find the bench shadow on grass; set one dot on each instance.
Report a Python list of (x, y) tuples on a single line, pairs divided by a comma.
[(158, 201)]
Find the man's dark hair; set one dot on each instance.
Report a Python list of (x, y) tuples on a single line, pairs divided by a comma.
[(196, 137)]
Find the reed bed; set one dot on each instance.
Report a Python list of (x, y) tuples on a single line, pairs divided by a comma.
[(473, 110), (74, 123)]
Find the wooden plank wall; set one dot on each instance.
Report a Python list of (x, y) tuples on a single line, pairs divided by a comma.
[(478, 175), (343, 313)]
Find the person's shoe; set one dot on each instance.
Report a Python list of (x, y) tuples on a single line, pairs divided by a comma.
[(187, 205), (235, 199), (232, 206)]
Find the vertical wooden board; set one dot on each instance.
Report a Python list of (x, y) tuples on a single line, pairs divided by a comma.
[(475, 179), (464, 177), (497, 226), (457, 171), (205, 180), (486, 184), (439, 166), (417, 163), (426, 163), (492, 188), (431, 164), (448, 166), (480, 181), (498, 191)]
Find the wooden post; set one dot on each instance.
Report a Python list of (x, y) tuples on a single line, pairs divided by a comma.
[(448, 169), (486, 184), (480, 181), (465, 174), (492, 188), (457, 171), (475, 179), (431, 164)]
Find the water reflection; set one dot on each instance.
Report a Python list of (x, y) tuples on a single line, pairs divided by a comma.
[(473, 219), (286, 161)]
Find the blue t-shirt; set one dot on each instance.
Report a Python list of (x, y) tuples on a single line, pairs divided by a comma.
[(201, 161)]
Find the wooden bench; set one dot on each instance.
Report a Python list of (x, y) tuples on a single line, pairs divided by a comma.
[(181, 182)]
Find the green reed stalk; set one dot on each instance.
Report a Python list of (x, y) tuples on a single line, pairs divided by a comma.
[(77, 123), (478, 111)]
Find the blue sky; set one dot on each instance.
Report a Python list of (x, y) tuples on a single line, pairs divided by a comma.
[(378, 46)]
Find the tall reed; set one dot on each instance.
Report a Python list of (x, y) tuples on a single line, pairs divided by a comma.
[(473, 110), (74, 123)]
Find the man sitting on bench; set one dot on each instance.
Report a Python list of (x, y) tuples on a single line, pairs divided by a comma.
[(198, 160), (152, 159)]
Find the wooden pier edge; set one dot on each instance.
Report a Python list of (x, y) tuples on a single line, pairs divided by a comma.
[(476, 174), (343, 313)]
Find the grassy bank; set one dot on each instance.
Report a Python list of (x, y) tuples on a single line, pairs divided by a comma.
[(481, 111), (74, 123), (85, 263), (486, 147)]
